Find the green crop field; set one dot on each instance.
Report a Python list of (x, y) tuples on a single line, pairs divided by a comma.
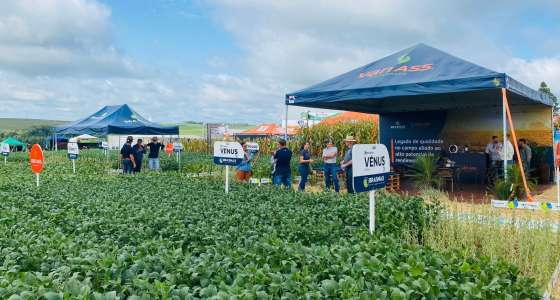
[(9, 124), (99, 235), (197, 129)]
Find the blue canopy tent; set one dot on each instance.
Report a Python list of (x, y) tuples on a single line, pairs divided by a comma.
[(419, 80), (119, 119)]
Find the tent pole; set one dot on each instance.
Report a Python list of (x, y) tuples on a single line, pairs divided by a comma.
[(286, 129), (55, 141), (504, 132)]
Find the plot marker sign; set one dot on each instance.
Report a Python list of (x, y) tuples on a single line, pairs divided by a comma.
[(228, 154), (371, 167), (36, 160), (5, 149), (73, 152)]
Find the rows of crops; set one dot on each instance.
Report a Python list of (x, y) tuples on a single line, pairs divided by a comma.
[(170, 236)]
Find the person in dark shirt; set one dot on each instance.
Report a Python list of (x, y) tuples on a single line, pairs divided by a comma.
[(283, 172), (304, 168), (127, 157), (138, 151), (153, 156)]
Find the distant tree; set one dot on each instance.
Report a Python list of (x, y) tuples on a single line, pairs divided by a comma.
[(546, 90)]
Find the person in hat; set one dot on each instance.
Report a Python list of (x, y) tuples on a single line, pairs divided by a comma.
[(346, 163), (127, 156), (153, 156), (329, 165)]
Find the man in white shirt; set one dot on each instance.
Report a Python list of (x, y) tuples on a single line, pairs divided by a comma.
[(330, 167), (494, 150), (508, 151)]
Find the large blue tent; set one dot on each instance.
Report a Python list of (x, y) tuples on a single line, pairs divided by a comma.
[(419, 78), (119, 119)]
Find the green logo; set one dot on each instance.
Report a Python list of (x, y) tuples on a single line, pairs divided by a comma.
[(366, 184), (497, 81), (403, 59)]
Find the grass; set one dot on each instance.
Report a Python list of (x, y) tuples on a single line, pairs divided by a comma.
[(9, 124), (508, 235)]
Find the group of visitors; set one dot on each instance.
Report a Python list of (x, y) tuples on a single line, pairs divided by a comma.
[(498, 152), (281, 165), (132, 155)]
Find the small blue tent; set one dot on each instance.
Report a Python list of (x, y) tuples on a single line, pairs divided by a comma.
[(119, 119), (420, 78)]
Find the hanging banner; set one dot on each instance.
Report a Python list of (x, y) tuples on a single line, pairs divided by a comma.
[(5, 149), (228, 153), (371, 166), (73, 151)]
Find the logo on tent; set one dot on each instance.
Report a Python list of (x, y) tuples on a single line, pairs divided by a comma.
[(403, 59), (497, 81)]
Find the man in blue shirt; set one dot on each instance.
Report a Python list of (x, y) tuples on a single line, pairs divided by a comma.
[(283, 172), (127, 156)]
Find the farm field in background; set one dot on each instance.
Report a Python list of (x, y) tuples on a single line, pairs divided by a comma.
[(10, 124), (172, 236)]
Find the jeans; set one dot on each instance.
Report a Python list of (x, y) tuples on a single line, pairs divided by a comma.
[(330, 172), (138, 164), (127, 166), (349, 180), (153, 164), (304, 173), (282, 179)]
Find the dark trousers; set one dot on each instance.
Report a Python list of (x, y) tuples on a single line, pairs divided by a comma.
[(330, 174), (349, 180), (284, 179), (304, 173), (127, 166), (138, 164)]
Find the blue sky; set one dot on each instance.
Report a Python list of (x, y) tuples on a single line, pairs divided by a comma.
[(233, 60)]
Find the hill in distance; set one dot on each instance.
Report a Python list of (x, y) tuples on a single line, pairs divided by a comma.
[(10, 124)]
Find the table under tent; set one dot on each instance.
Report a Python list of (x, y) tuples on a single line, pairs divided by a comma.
[(115, 123), (433, 103)]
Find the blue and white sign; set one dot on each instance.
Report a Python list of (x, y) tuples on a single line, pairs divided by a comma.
[(73, 151), (5, 149), (252, 147), (104, 145), (371, 166), (177, 147), (228, 153)]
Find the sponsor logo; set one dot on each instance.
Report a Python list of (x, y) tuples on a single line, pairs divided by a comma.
[(403, 59), (404, 69), (497, 81), (366, 183)]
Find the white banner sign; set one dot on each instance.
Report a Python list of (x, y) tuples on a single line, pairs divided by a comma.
[(104, 145), (228, 153), (370, 166), (5, 149), (73, 150), (252, 147)]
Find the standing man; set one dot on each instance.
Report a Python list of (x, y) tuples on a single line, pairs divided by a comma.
[(304, 166), (244, 171), (329, 165), (138, 151), (127, 157), (283, 172), (346, 163), (507, 152), (493, 151), (526, 155), (153, 156)]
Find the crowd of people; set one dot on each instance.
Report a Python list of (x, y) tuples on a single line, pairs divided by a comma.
[(132, 155), (281, 165), (498, 152)]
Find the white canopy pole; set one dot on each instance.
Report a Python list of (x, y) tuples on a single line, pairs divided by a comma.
[(504, 132)]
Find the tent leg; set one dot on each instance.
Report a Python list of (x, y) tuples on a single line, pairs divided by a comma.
[(286, 129), (504, 132), (55, 142)]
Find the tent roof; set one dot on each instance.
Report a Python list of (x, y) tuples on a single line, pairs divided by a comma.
[(119, 119), (12, 142), (267, 130), (418, 78), (349, 116)]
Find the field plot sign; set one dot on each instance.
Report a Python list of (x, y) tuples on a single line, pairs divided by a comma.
[(177, 148), (370, 170), (73, 152), (228, 154), (252, 147), (5, 149), (36, 160), (169, 149)]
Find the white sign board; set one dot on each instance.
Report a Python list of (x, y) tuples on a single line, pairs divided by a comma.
[(104, 145), (371, 166), (177, 147), (5, 149), (228, 153), (73, 150), (252, 147)]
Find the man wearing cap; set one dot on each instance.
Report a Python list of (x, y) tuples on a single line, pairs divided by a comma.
[(346, 163), (127, 156), (153, 156)]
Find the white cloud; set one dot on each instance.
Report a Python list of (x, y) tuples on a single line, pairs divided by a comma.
[(533, 72)]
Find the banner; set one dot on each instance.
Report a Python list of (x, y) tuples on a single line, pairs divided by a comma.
[(370, 167)]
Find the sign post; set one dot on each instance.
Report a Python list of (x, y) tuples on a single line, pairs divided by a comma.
[(5, 149), (73, 152), (105, 147), (177, 148), (36, 160), (371, 166), (228, 154)]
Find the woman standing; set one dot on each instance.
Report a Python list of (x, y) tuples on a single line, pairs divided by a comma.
[(329, 166), (244, 168), (138, 151), (304, 165)]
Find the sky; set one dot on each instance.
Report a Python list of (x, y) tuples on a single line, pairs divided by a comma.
[(234, 60)]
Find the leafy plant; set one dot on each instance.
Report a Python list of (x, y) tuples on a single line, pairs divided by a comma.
[(424, 172)]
